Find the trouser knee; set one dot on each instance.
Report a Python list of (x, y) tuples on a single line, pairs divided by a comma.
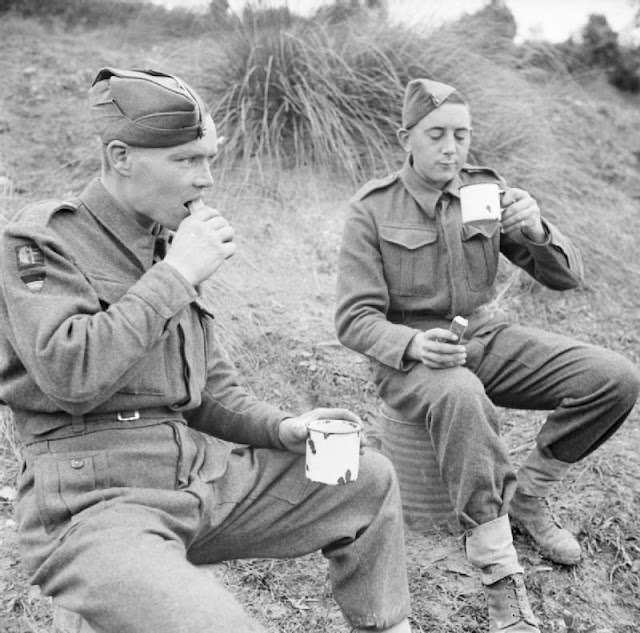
[(377, 475), (604, 391), (627, 380), (464, 405), (614, 376)]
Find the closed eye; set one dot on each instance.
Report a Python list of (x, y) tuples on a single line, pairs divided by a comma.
[(435, 133)]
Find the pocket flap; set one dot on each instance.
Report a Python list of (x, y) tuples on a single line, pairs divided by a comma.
[(409, 237), (486, 229)]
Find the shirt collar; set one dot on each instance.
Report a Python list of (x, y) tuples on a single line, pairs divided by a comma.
[(425, 194), (136, 238)]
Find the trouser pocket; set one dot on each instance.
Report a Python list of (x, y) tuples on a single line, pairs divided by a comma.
[(78, 472), (67, 483)]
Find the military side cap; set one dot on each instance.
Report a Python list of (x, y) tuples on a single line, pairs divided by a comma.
[(422, 96), (145, 108)]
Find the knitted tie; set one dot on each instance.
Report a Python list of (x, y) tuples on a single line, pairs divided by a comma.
[(163, 240)]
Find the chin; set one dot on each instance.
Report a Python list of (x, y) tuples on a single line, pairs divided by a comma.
[(172, 225), (449, 175), (172, 221)]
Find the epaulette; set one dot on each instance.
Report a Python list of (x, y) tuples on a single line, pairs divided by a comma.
[(475, 173), (41, 212), (374, 185)]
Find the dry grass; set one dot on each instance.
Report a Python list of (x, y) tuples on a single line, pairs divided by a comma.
[(274, 302), (319, 95), (9, 447)]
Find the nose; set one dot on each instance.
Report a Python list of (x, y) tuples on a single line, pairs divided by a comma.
[(204, 177), (449, 143)]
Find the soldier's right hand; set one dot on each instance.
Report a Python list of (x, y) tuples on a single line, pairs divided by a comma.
[(437, 348), (203, 241)]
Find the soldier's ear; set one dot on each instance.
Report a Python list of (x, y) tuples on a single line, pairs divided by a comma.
[(403, 139), (119, 156)]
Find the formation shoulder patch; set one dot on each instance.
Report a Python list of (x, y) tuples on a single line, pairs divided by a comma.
[(31, 265)]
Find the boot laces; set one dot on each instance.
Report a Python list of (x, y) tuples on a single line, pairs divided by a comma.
[(518, 602), (549, 512), (546, 520)]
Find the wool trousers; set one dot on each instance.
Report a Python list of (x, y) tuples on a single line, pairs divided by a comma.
[(588, 390), (113, 524)]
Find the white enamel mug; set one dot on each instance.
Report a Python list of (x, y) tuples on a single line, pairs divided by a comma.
[(333, 451), (480, 201)]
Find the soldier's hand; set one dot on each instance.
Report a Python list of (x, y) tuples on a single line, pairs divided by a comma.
[(521, 216), (293, 431), (437, 348), (202, 243)]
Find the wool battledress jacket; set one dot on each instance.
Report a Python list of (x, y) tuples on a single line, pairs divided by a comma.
[(89, 324), (406, 257)]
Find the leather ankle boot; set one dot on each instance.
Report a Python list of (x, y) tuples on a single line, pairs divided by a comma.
[(508, 606), (533, 515)]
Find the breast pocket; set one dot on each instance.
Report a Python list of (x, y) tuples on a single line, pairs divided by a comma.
[(149, 375), (481, 245), (410, 256)]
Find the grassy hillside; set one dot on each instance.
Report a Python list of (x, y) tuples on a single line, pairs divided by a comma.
[(575, 146)]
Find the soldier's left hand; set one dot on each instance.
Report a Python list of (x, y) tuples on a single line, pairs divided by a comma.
[(521, 216), (293, 431)]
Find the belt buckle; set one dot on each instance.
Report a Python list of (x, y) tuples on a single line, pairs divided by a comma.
[(127, 416)]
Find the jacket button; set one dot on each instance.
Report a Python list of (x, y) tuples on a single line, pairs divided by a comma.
[(77, 463)]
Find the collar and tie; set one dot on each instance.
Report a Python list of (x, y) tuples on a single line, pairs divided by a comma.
[(430, 199), (163, 239)]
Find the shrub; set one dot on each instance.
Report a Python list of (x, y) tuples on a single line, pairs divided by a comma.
[(98, 13), (625, 73), (599, 42), (305, 96), (86, 12), (333, 95), (490, 30), (551, 58)]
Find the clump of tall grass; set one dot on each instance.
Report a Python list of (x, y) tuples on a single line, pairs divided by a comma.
[(299, 97), (332, 96)]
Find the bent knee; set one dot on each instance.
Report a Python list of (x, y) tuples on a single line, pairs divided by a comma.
[(463, 385), (621, 375), (376, 472)]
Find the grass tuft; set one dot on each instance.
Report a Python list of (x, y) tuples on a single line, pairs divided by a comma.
[(310, 97)]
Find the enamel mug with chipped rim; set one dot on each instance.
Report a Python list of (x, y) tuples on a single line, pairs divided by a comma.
[(480, 201), (333, 451)]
